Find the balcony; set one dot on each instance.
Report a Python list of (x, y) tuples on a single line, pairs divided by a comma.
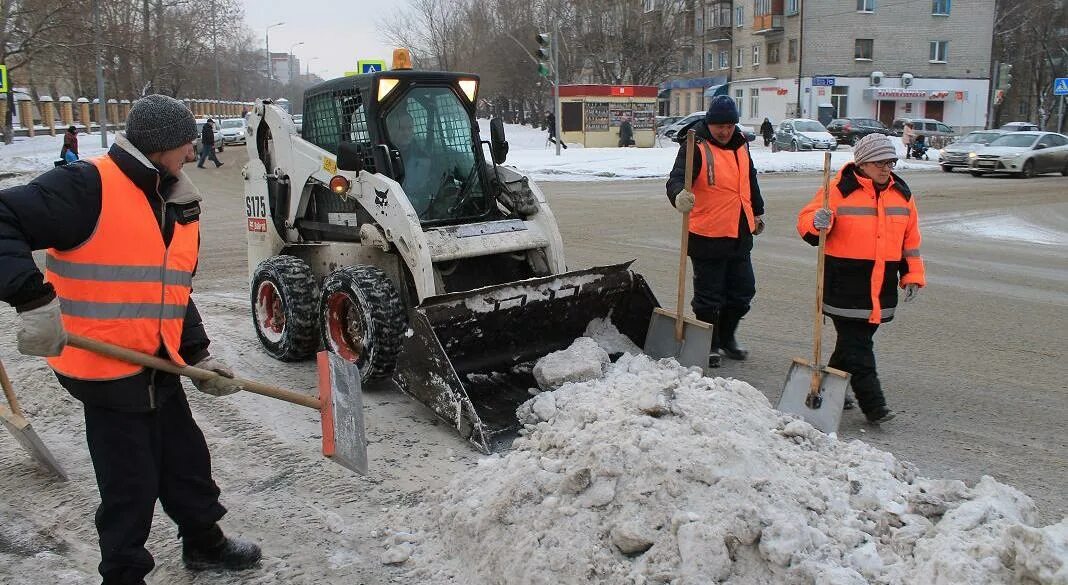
[(766, 24)]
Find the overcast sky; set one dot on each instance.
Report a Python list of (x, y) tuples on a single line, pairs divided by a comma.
[(338, 32)]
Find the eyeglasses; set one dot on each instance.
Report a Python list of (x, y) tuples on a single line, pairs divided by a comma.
[(884, 164)]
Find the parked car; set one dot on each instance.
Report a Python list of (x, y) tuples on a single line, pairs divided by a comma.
[(923, 127), (850, 130), (663, 122), (232, 130), (1019, 127), (748, 132), (957, 154), (200, 131), (1025, 153), (795, 134), (673, 130)]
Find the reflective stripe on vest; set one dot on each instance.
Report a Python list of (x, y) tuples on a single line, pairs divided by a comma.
[(721, 192), (123, 285), (856, 313)]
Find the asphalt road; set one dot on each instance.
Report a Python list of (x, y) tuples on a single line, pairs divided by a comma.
[(976, 367)]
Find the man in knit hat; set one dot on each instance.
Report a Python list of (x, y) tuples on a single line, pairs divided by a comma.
[(122, 238), (873, 249), (725, 212)]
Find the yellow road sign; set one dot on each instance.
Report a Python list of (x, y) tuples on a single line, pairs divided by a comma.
[(3, 78)]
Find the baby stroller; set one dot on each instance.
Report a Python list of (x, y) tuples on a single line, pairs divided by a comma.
[(919, 148)]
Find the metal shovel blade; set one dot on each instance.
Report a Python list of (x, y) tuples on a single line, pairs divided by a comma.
[(833, 386), (342, 412), (696, 344), (29, 440)]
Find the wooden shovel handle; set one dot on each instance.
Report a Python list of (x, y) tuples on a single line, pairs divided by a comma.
[(9, 392), (817, 325), (191, 372), (684, 243)]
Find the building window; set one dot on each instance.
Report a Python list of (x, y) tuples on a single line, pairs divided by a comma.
[(739, 16), (650, 5), (840, 100), (698, 24), (710, 59), (792, 7), (1024, 110), (773, 53), (761, 7), (738, 59), (791, 51), (939, 51), (756, 55), (940, 7), (865, 5), (862, 50), (754, 102), (724, 60), (739, 96)]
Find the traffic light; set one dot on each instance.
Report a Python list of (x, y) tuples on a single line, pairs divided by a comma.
[(544, 54), (1004, 76)]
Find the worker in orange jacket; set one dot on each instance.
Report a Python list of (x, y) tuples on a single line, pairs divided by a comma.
[(726, 211), (873, 248)]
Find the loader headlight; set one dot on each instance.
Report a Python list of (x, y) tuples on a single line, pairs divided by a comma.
[(386, 85), (339, 185), (470, 88)]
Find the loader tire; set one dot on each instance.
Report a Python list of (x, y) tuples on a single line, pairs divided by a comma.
[(284, 308), (362, 319)]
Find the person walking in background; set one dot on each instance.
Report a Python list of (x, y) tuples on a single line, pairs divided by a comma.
[(726, 211), (122, 234), (69, 152), (767, 131), (550, 122), (908, 136), (872, 249), (207, 145), (626, 132)]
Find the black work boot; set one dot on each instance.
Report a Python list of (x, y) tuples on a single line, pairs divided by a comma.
[(213, 550), (715, 360), (729, 318)]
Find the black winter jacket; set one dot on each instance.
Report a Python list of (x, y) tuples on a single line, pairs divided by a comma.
[(207, 134), (60, 209), (703, 246)]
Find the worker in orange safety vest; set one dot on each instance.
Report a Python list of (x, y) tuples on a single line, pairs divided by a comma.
[(872, 249)]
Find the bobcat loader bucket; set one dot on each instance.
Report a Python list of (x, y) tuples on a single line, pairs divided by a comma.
[(470, 355)]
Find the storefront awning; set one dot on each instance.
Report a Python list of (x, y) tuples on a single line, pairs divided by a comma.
[(713, 91)]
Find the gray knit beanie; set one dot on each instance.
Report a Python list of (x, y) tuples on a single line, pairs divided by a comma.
[(873, 147), (158, 122)]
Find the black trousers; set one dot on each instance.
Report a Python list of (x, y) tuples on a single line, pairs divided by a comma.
[(141, 457), (726, 281), (854, 352)]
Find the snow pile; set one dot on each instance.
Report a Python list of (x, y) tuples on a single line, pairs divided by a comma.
[(657, 474), (533, 155), (38, 154)]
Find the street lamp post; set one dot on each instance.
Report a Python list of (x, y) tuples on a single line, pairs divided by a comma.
[(307, 68), (291, 59), (267, 42)]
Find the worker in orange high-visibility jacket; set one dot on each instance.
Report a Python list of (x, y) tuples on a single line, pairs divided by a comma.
[(122, 234), (873, 248), (726, 211)]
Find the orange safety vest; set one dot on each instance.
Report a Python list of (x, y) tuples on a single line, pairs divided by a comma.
[(123, 285), (721, 192)]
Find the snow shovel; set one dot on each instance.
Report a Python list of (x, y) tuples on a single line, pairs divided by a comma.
[(674, 334), (340, 403), (24, 433), (813, 391)]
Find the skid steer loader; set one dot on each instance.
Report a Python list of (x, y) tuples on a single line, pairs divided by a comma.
[(382, 233)]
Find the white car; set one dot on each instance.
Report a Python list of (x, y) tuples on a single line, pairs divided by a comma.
[(232, 130), (672, 130), (796, 134), (1024, 153)]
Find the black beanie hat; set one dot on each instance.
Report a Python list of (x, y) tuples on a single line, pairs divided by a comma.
[(722, 111)]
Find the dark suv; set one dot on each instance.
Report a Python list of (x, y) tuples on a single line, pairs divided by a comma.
[(850, 130)]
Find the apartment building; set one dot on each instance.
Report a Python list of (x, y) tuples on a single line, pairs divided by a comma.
[(705, 57), (881, 59)]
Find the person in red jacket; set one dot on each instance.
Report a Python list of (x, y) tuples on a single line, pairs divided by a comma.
[(873, 248)]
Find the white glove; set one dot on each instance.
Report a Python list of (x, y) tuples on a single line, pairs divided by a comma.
[(822, 219), (684, 201), (911, 292), (221, 385), (41, 331), (759, 225)]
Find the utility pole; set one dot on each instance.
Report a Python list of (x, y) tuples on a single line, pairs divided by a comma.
[(556, 85), (215, 50), (993, 92), (267, 42), (102, 115)]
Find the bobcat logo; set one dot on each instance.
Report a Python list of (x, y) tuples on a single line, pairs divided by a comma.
[(380, 198)]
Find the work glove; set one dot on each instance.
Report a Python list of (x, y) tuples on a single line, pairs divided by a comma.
[(822, 219), (684, 201), (41, 331), (911, 292), (759, 225), (223, 384)]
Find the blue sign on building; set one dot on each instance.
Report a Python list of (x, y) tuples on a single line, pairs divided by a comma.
[(1060, 86), (823, 81)]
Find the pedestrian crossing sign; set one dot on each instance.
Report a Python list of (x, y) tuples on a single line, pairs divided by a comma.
[(371, 65), (3, 78), (1060, 86)]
